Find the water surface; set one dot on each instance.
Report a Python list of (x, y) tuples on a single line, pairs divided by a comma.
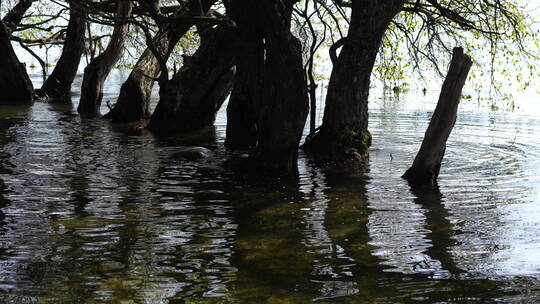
[(91, 213)]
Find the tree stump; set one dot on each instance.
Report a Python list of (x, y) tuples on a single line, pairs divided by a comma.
[(427, 164)]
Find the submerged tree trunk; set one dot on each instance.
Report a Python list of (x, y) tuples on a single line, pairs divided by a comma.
[(427, 164), (15, 85), (279, 98), (97, 71), (58, 84), (345, 121), (191, 99), (284, 104), (241, 111), (134, 99)]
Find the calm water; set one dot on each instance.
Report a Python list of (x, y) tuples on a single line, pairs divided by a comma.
[(92, 214)]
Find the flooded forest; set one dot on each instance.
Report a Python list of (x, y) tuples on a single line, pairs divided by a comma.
[(269, 151)]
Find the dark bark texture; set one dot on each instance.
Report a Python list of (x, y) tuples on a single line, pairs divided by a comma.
[(14, 17), (282, 105), (134, 100), (15, 85), (191, 99), (58, 84), (345, 120), (97, 71), (241, 111), (427, 164)]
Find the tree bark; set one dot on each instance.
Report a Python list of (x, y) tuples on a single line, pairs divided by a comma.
[(134, 100), (97, 71), (14, 17), (427, 164), (279, 98), (191, 99), (15, 85), (345, 120), (284, 103), (58, 84), (241, 111)]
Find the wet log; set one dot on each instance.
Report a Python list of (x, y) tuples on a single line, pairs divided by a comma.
[(426, 166), (58, 84), (191, 99), (97, 71), (15, 85)]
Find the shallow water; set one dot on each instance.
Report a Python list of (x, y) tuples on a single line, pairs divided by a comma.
[(92, 214)]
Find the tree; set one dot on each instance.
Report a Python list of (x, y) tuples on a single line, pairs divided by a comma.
[(15, 85), (279, 97), (97, 71), (345, 121), (427, 164), (134, 99), (58, 84), (191, 99)]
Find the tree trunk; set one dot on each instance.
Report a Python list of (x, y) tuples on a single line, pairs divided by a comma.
[(97, 71), (427, 164), (134, 100), (345, 120), (278, 95), (15, 85), (58, 84), (241, 110), (284, 102), (14, 17), (191, 99)]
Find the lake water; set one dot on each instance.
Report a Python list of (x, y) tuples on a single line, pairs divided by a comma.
[(90, 213)]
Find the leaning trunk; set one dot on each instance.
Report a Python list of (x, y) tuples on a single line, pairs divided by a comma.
[(191, 99), (134, 100), (97, 71), (427, 164), (345, 122), (15, 85), (58, 84), (14, 17)]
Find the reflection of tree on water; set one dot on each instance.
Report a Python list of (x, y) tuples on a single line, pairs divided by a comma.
[(268, 251), (330, 261), (440, 229)]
